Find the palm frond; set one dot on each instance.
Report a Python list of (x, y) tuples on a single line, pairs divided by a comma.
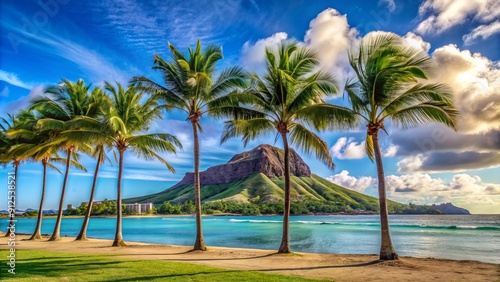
[(419, 93), (247, 129), (157, 141), (309, 142), (54, 167), (425, 113), (326, 116)]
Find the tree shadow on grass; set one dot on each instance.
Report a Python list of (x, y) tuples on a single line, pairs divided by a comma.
[(322, 266), (56, 267), (193, 259), (191, 275)]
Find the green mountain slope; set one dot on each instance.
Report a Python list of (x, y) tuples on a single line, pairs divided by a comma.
[(258, 188)]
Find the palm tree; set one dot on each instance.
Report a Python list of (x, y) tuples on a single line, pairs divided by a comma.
[(9, 155), (389, 86), (17, 147), (190, 87), (36, 150), (61, 110), (129, 116), (288, 99), (101, 140)]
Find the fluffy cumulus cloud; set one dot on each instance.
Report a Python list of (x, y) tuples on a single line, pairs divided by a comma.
[(331, 36), (417, 41), (253, 55), (441, 15), (358, 184), (463, 189), (482, 31), (475, 81), (421, 188), (348, 148)]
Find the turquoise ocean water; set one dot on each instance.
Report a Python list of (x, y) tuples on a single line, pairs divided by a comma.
[(474, 237)]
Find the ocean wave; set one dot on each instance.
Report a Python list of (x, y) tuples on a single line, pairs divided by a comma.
[(361, 224), (255, 220)]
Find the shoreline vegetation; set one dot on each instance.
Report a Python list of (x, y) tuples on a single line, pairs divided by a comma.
[(230, 261), (223, 208)]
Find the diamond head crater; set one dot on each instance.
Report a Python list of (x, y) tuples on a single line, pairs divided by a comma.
[(252, 183)]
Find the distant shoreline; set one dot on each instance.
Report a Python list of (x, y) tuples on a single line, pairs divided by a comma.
[(221, 214)]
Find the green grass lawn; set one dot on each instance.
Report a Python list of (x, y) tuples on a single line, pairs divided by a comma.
[(54, 266)]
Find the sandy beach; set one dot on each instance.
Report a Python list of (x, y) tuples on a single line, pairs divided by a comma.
[(320, 266)]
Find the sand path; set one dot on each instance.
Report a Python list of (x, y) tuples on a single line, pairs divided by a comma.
[(321, 266)]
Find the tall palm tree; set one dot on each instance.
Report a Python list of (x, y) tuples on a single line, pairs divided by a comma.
[(288, 99), (128, 119), (190, 86), (32, 146), (389, 86), (10, 155), (62, 109), (102, 141), (17, 146)]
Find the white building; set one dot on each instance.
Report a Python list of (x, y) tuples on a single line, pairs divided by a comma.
[(140, 208)]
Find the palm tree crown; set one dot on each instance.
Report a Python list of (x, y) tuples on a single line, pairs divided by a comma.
[(389, 86)]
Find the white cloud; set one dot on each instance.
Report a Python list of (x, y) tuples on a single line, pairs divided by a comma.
[(391, 151), (411, 163), (253, 55), (476, 83), (391, 5), (346, 148), (344, 179), (482, 31), (416, 41), (462, 190), (330, 35), (441, 15), (13, 79)]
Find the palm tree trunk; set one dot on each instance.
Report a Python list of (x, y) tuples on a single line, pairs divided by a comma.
[(387, 251), (199, 244), (285, 240), (83, 231), (12, 223), (118, 242), (37, 235), (57, 229)]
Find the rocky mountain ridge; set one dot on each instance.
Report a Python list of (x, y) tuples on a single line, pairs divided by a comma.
[(265, 159)]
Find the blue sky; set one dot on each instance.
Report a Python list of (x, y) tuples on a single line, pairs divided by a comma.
[(44, 41)]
